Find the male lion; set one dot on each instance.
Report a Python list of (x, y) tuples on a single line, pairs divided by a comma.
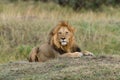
[(61, 43)]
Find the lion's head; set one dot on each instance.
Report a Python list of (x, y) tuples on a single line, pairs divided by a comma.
[(62, 36)]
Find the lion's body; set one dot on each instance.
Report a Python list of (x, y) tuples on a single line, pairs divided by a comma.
[(61, 44)]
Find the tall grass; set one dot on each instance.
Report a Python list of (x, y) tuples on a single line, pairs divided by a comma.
[(24, 25)]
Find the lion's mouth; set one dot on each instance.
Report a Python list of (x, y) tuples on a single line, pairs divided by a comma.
[(63, 42)]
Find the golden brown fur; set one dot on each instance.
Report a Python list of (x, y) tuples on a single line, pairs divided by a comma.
[(61, 44)]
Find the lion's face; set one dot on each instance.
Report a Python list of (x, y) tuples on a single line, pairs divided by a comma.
[(64, 36)]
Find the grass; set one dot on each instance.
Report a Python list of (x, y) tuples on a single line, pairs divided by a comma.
[(84, 68), (25, 25)]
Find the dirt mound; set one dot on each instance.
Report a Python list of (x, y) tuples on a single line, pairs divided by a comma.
[(84, 68)]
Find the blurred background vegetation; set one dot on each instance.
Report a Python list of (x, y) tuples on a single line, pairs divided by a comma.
[(79, 4), (26, 23)]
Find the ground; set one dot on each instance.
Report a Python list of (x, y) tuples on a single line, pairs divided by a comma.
[(101, 67)]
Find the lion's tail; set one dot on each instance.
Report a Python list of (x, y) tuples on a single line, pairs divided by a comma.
[(33, 55)]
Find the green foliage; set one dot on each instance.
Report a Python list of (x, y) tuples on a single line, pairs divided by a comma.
[(88, 4), (22, 52)]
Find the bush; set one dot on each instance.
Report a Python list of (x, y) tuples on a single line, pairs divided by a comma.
[(88, 4), (79, 4)]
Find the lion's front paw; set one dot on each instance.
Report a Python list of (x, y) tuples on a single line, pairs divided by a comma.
[(87, 53), (78, 54)]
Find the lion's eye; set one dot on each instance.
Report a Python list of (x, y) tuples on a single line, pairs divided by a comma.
[(59, 33), (66, 32)]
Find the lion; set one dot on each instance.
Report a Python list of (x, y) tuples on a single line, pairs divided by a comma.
[(61, 43)]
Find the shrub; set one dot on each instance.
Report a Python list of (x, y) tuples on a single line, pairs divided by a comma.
[(88, 4), (79, 4)]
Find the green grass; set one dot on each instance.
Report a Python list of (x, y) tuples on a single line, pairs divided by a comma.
[(25, 25)]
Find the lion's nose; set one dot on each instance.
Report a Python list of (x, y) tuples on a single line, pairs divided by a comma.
[(63, 38)]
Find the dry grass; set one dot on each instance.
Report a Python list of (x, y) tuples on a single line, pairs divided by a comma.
[(84, 68), (25, 25)]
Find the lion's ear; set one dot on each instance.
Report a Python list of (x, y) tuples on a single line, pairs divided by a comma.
[(53, 31), (73, 29)]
